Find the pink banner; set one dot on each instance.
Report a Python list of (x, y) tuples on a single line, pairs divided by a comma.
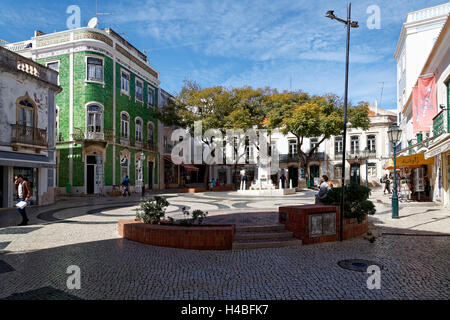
[(424, 104)]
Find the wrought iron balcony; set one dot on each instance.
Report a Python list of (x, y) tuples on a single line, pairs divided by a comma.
[(31, 136), (150, 145), (317, 156), (80, 135)]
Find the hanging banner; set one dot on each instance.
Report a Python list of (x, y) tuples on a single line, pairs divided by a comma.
[(424, 104)]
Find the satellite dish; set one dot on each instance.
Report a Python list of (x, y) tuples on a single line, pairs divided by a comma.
[(93, 23)]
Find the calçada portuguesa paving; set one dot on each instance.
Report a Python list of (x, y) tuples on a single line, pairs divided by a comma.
[(414, 252)]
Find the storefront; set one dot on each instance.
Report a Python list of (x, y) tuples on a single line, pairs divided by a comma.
[(440, 152), (414, 177)]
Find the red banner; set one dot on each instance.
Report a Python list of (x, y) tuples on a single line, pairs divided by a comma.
[(424, 104)]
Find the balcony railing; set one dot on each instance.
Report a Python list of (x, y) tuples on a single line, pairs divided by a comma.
[(317, 156), (32, 136), (80, 135)]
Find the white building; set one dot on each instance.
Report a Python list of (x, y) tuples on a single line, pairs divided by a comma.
[(416, 40), (27, 127), (328, 158)]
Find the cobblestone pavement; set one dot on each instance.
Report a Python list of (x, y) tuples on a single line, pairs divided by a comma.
[(413, 250)]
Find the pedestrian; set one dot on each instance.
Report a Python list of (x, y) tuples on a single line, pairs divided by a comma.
[(283, 180), (126, 185), (213, 182), (323, 189), (23, 191), (244, 181), (387, 184)]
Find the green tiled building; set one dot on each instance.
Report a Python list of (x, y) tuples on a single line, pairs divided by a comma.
[(105, 122)]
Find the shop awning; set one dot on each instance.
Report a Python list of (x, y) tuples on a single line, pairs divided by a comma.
[(187, 167), (410, 161)]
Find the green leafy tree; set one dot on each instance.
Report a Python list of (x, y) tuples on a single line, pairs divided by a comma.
[(313, 117)]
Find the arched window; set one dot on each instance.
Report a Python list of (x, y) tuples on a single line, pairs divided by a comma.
[(124, 125), (25, 112), (94, 118), (138, 129)]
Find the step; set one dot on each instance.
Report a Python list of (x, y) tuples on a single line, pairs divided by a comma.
[(263, 235), (276, 227), (261, 244)]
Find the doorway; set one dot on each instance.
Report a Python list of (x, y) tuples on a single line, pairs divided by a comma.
[(313, 173), (355, 176), (94, 174), (293, 176), (150, 175)]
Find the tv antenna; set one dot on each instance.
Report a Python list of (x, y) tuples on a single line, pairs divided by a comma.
[(382, 88), (100, 13)]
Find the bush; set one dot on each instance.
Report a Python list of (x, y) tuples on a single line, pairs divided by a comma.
[(197, 217), (356, 203), (152, 210)]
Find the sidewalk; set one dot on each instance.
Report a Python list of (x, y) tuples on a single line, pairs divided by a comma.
[(420, 218)]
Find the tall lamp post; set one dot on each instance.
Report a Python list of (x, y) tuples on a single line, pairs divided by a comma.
[(395, 135), (350, 24), (141, 178), (366, 154)]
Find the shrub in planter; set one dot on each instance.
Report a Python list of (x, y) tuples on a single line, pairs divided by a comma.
[(152, 210), (197, 217), (356, 203)]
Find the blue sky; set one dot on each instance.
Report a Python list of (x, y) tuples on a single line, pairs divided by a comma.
[(277, 43)]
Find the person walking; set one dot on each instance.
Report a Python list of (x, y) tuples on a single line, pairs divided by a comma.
[(126, 185), (23, 191), (387, 184), (283, 180)]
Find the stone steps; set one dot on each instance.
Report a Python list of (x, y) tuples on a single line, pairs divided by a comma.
[(277, 227), (257, 237)]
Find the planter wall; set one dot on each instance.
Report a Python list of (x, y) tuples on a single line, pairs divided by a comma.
[(204, 237), (296, 219)]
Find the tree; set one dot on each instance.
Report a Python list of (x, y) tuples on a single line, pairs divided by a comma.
[(313, 117)]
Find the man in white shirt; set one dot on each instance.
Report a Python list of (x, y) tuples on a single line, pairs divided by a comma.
[(23, 193)]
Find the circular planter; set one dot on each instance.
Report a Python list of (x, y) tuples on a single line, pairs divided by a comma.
[(196, 237)]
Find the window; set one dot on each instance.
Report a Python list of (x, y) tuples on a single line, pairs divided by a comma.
[(57, 124), (150, 132), (354, 145), (25, 113), (94, 118), (314, 143), (151, 96), (123, 168), (125, 126), (338, 171), (292, 147), (125, 82), (338, 145), (372, 142), (95, 69), (138, 130), (139, 90), (54, 65), (372, 169)]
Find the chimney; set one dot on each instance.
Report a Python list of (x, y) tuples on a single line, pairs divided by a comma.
[(376, 107), (38, 33)]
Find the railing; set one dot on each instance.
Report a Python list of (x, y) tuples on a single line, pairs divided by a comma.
[(28, 135), (441, 124), (317, 156), (168, 148), (150, 145), (80, 135)]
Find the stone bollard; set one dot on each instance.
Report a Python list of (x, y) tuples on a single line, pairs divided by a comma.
[(290, 184), (281, 185)]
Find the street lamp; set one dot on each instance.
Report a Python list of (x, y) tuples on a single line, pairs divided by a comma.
[(350, 24), (394, 135), (142, 174), (366, 153)]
